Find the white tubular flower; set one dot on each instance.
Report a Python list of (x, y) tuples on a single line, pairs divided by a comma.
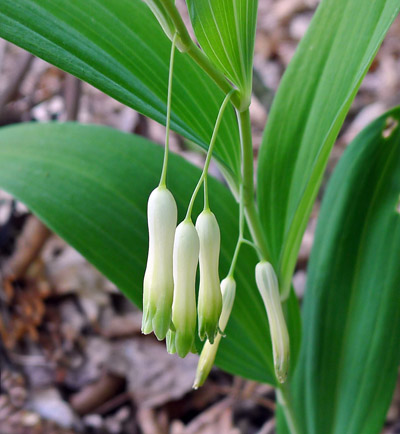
[(186, 257), (158, 278), (207, 356), (164, 20), (171, 349), (210, 299), (267, 284)]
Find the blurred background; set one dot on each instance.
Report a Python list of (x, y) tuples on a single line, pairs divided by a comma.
[(72, 357)]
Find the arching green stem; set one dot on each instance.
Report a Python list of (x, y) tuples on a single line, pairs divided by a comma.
[(284, 400), (251, 213), (197, 55), (206, 202), (209, 154), (163, 178), (240, 237), (249, 243)]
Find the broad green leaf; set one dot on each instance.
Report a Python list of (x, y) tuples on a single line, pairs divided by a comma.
[(120, 48), (90, 185), (351, 344), (225, 30), (307, 113), (164, 19)]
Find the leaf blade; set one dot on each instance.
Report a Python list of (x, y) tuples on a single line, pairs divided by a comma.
[(226, 33), (350, 352), (307, 113), (120, 48), (90, 185)]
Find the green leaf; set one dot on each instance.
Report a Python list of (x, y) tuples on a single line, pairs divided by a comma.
[(225, 30), (90, 185), (307, 113), (351, 345), (120, 48)]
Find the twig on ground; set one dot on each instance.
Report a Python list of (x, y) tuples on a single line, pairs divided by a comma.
[(115, 402), (96, 394), (268, 427), (148, 421), (72, 94), (11, 91), (209, 415), (29, 244)]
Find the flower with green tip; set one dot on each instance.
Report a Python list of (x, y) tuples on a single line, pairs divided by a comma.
[(209, 351), (267, 284), (171, 349), (158, 279), (185, 260), (210, 298)]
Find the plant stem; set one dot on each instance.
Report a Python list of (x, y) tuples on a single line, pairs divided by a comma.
[(240, 236), (235, 256), (252, 217), (209, 153), (206, 202), (203, 61), (176, 18), (247, 203), (257, 233), (249, 243), (168, 121), (284, 400), (197, 55), (241, 240)]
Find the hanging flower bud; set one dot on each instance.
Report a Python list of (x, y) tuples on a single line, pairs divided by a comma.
[(228, 289), (267, 284), (158, 278), (210, 299), (165, 21), (206, 361), (186, 257), (207, 356)]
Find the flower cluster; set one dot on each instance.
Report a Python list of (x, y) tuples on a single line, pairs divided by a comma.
[(170, 309), (169, 296)]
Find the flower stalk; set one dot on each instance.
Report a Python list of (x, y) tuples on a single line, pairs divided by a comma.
[(163, 178), (209, 153), (162, 215), (165, 21), (197, 55)]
